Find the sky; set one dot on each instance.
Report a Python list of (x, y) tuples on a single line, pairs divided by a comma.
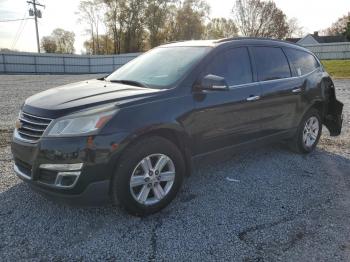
[(312, 15)]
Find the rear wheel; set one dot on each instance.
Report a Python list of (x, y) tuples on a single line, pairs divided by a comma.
[(149, 175), (308, 133)]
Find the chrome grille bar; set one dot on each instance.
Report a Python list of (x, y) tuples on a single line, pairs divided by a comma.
[(31, 128)]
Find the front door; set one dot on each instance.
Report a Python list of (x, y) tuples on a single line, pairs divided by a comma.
[(225, 118)]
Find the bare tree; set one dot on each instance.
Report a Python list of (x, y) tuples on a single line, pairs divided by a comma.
[(90, 13), (260, 19), (294, 29), (339, 27)]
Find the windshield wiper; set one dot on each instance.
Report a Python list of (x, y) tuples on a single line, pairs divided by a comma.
[(130, 82)]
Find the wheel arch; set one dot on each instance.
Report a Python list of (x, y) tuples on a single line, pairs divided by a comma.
[(173, 132)]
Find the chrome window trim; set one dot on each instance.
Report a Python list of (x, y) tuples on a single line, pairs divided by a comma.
[(273, 80)]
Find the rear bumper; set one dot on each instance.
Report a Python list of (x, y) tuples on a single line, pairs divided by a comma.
[(333, 119)]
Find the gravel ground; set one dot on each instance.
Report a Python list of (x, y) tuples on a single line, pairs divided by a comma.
[(277, 206)]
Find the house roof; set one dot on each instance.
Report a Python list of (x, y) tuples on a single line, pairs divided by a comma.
[(321, 39)]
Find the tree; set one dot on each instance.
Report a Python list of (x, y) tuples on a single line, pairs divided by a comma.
[(257, 18), (155, 20), (339, 27), (294, 29), (114, 21), (190, 18), (106, 45), (220, 28), (90, 12), (60, 41), (347, 31), (133, 21), (64, 41), (49, 45)]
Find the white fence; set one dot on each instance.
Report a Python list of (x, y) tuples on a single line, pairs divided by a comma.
[(331, 50), (33, 63)]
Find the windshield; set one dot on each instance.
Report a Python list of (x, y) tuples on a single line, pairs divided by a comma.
[(160, 67)]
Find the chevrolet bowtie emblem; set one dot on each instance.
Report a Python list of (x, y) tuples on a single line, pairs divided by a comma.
[(18, 124)]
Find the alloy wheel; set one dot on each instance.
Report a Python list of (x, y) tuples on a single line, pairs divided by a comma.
[(311, 131), (152, 179)]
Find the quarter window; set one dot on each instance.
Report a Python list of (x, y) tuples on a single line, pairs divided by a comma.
[(271, 63), (233, 65), (301, 61)]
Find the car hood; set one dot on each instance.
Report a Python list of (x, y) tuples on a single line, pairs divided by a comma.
[(65, 99)]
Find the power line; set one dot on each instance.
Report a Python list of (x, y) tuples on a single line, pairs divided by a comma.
[(12, 20), (19, 34), (14, 41)]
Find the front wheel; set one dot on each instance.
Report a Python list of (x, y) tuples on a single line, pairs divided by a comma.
[(149, 175), (308, 133)]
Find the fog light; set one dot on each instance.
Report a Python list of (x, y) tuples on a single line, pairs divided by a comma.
[(62, 167), (67, 179), (66, 174)]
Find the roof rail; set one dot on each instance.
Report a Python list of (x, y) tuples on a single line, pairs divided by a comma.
[(251, 38), (171, 42)]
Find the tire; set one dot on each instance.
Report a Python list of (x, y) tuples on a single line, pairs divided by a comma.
[(298, 143), (131, 171)]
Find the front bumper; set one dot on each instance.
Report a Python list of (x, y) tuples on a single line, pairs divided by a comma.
[(97, 155)]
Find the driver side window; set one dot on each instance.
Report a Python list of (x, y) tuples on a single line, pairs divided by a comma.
[(233, 65)]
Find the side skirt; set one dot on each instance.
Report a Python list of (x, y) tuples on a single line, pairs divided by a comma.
[(249, 144)]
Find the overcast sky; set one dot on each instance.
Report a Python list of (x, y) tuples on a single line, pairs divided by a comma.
[(313, 15)]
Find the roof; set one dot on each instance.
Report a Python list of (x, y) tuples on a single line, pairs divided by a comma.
[(321, 39), (293, 40)]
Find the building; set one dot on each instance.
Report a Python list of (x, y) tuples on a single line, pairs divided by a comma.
[(315, 39)]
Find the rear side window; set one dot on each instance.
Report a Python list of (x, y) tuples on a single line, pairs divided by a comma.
[(302, 62), (271, 63), (233, 65)]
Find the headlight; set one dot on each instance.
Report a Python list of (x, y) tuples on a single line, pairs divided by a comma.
[(82, 123)]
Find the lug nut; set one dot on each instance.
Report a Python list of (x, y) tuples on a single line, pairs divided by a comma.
[(146, 179), (157, 172), (150, 173), (149, 185)]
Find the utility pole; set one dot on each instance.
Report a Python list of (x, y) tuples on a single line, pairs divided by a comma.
[(37, 14)]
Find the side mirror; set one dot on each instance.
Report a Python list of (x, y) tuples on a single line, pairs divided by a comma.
[(213, 82)]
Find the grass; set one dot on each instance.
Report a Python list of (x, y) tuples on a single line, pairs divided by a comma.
[(337, 68)]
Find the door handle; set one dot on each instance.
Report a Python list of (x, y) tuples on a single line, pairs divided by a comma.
[(296, 90), (253, 98)]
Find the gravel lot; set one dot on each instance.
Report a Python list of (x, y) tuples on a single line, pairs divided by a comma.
[(280, 206)]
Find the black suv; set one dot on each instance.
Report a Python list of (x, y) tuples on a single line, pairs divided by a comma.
[(130, 137)]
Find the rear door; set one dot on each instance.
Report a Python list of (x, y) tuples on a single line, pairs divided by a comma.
[(280, 91), (224, 118)]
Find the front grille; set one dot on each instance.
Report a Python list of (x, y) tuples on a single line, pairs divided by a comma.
[(31, 127)]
